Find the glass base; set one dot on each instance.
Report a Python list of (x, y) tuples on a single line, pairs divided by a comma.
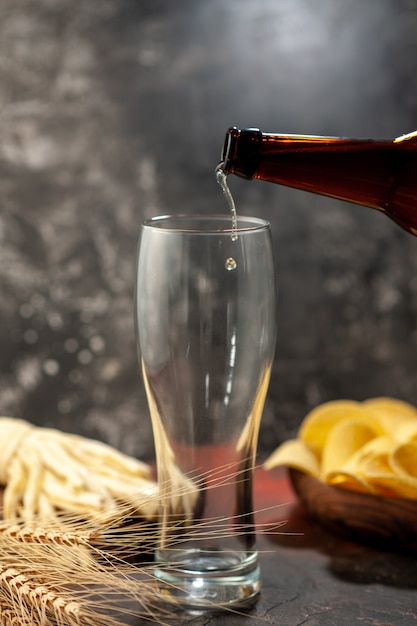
[(209, 579)]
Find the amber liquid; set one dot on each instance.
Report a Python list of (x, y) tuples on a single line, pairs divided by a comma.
[(378, 174)]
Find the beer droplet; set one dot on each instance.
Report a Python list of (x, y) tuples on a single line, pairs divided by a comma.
[(230, 264)]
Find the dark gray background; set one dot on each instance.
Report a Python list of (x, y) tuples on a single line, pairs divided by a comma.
[(115, 110)]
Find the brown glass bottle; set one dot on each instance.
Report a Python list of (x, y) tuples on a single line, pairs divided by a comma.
[(377, 174)]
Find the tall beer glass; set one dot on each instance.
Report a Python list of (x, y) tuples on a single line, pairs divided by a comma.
[(206, 326)]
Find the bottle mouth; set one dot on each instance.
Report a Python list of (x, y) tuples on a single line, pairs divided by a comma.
[(240, 154), (229, 148)]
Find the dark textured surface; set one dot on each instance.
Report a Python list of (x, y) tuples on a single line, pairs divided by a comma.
[(115, 110), (314, 578)]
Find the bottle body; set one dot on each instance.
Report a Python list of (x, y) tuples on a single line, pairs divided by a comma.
[(378, 174)]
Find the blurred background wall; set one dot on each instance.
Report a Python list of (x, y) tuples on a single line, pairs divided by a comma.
[(115, 110)]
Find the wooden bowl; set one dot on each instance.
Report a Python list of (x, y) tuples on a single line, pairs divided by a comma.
[(374, 519)]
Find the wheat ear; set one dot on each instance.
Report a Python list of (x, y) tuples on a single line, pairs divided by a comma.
[(40, 604)]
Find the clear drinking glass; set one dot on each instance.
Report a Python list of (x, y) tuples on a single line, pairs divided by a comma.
[(206, 326)]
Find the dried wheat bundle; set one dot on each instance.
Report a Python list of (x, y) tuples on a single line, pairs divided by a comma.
[(28, 533), (46, 580), (45, 471), (63, 572), (74, 570)]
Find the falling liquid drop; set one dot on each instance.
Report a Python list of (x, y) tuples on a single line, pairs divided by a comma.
[(230, 264)]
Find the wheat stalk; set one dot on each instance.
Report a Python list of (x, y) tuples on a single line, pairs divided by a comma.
[(9, 617), (42, 597), (25, 533), (39, 602)]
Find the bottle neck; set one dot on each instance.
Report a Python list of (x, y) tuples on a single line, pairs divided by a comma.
[(241, 152), (244, 150)]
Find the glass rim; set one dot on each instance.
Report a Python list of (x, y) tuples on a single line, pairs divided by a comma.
[(182, 223)]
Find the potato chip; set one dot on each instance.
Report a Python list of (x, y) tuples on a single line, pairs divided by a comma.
[(344, 440), (391, 406), (294, 453), (317, 424), (372, 459), (354, 474), (394, 486), (349, 481), (397, 418), (374, 464), (406, 430), (403, 459)]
